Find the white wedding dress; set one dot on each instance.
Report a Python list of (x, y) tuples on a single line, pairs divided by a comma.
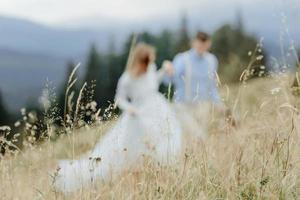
[(153, 131)]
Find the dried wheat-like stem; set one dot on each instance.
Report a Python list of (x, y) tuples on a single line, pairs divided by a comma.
[(132, 45), (78, 102), (71, 83)]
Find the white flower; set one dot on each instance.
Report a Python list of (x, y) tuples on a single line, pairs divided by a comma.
[(275, 90), (249, 53), (5, 128), (17, 124), (30, 115), (93, 105), (262, 67), (28, 126), (259, 57), (23, 111), (44, 100)]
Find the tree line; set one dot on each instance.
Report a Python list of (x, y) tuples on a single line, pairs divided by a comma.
[(230, 43)]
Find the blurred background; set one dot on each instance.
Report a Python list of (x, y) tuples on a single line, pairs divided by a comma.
[(42, 40)]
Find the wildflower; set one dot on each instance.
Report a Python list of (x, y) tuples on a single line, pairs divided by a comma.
[(93, 105), (5, 128), (88, 113), (17, 124), (261, 73), (31, 116), (259, 57), (44, 100), (23, 111), (28, 126), (275, 90), (32, 132)]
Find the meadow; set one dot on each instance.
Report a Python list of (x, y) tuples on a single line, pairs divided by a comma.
[(257, 159)]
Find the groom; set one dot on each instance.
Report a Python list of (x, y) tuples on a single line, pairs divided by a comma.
[(194, 75)]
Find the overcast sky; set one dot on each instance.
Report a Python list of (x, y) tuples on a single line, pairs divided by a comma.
[(59, 11), (64, 12)]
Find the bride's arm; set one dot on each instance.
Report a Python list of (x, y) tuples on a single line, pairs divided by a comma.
[(171, 71), (121, 98), (162, 73)]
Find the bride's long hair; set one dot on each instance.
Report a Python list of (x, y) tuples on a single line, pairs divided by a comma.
[(142, 55)]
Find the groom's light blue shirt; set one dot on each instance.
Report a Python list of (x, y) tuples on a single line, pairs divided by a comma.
[(202, 69)]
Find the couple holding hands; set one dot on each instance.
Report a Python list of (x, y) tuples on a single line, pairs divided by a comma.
[(149, 125)]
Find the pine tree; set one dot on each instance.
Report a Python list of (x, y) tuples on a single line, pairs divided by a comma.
[(102, 84), (231, 46), (147, 38), (125, 51), (93, 65), (115, 70), (92, 77), (296, 82), (164, 45), (4, 120), (183, 42), (4, 115), (239, 21)]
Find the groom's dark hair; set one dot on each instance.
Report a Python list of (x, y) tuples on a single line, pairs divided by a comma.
[(202, 36)]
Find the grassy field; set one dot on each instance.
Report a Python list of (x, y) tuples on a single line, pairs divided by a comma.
[(259, 159)]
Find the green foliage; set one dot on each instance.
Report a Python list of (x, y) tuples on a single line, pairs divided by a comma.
[(231, 46), (183, 42), (97, 73), (235, 49), (4, 114), (296, 83), (93, 65), (105, 70), (102, 71), (165, 43), (249, 193), (115, 69)]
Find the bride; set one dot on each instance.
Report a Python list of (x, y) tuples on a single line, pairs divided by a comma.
[(147, 128)]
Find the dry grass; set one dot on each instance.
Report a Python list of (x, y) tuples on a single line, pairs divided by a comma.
[(258, 160)]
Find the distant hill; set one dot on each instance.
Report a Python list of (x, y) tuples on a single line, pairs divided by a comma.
[(31, 52), (73, 38), (26, 36), (23, 75)]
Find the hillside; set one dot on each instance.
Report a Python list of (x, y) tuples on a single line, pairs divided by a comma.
[(27, 36), (23, 75), (256, 160), (25, 45)]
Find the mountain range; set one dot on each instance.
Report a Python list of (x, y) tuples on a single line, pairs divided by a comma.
[(31, 52)]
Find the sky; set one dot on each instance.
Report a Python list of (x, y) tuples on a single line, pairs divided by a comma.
[(55, 12), (88, 13)]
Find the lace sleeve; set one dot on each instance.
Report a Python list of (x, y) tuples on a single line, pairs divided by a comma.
[(159, 74), (121, 97)]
